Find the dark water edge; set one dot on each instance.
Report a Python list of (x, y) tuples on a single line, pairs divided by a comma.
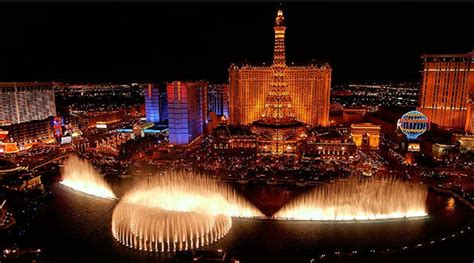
[(75, 227)]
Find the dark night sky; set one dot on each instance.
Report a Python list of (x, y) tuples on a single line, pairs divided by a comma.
[(154, 42)]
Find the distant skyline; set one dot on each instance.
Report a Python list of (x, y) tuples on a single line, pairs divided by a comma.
[(152, 42)]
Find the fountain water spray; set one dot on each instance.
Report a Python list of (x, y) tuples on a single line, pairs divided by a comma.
[(359, 199), (184, 210), (177, 211), (82, 176)]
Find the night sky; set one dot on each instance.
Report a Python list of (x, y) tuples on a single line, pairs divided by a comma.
[(156, 42)]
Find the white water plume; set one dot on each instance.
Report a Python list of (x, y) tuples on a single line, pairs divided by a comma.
[(177, 211), (80, 175), (359, 199)]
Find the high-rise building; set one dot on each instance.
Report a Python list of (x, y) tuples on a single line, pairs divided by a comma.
[(308, 87), (187, 110), (446, 83), (152, 103), (469, 128), (163, 103), (156, 107), (218, 99), (30, 131), (26, 101)]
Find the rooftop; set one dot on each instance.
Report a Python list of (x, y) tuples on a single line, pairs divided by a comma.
[(466, 55), (25, 84), (282, 125), (365, 125)]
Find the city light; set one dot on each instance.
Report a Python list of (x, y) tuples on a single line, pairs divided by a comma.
[(166, 140)]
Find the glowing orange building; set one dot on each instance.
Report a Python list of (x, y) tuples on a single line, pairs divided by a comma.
[(308, 87), (446, 83), (469, 128)]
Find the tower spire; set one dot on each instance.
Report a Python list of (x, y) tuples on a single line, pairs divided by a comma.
[(278, 120), (278, 101), (279, 48)]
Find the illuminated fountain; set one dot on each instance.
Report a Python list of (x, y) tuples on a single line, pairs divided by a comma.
[(354, 199), (177, 211), (156, 229), (82, 176)]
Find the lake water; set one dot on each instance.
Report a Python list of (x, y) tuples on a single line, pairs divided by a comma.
[(75, 227)]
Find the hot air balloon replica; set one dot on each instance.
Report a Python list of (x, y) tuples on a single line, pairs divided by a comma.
[(412, 124)]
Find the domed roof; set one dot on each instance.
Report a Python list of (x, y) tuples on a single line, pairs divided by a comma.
[(414, 115)]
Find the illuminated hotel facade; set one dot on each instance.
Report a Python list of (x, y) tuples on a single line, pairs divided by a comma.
[(218, 99), (155, 103), (187, 110), (270, 107), (447, 81), (152, 103), (308, 87), (470, 114), (26, 101)]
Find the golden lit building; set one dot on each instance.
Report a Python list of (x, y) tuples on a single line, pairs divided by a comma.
[(327, 143), (234, 139), (308, 86), (29, 132), (366, 135), (446, 83), (469, 128)]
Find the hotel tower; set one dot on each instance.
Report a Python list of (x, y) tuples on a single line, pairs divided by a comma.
[(308, 88), (446, 86), (187, 110), (26, 101)]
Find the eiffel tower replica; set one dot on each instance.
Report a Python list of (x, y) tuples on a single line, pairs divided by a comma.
[(277, 129)]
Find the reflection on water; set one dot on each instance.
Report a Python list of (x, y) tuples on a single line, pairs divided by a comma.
[(83, 223)]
